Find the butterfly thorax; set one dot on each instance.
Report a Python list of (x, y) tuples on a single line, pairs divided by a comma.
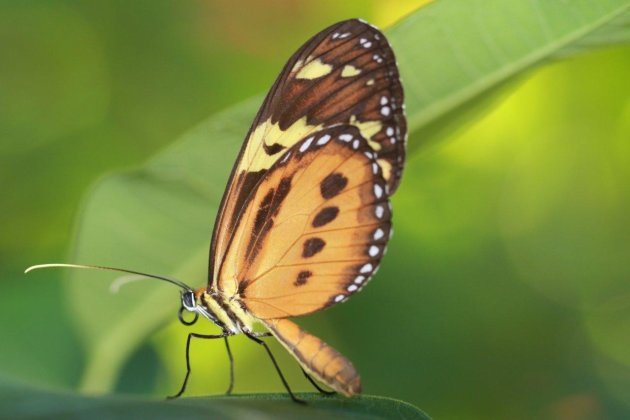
[(226, 312)]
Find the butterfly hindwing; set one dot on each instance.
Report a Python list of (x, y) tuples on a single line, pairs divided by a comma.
[(314, 230), (344, 76)]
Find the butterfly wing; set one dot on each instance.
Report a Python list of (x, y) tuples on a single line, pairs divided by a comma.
[(314, 230), (344, 76)]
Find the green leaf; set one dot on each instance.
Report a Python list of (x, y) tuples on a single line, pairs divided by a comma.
[(455, 57), (23, 401)]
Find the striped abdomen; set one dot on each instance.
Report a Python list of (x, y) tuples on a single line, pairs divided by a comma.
[(316, 357)]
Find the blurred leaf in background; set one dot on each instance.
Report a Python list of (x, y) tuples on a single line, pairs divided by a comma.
[(505, 290)]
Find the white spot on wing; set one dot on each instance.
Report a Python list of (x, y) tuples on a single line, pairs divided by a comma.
[(359, 279), (345, 137), (355, 144), (379, 211), (384, 100), (365, 43), (306, 144), (373, 251), (339, 298), (352, 288), (323, 139), (385, 111), (378, 191), (366, 268), (390, 131), (378, 234)]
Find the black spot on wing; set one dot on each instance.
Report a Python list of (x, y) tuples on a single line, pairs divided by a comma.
[(302, 277), (272, 149), (325, 216), (312, 246), (332, 185)]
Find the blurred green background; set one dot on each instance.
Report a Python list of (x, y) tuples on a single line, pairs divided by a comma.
[(505, 292)]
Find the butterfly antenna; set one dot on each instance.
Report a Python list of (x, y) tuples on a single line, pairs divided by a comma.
[(124, 279)]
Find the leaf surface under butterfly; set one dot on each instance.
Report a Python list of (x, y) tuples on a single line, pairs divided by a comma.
[(18, 402)]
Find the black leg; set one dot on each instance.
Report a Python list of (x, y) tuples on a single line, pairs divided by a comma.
[(315, 384), (273, 359), (319, 388), (190, 337), (229, 352)]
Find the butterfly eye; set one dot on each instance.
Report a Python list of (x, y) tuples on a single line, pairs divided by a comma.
[(188, 301), (189, 304)]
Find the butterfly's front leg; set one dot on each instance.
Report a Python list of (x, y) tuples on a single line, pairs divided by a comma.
[(229, 352), (225, 334)]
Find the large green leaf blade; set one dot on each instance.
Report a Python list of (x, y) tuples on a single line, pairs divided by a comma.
[(454, 56), (23, 401)]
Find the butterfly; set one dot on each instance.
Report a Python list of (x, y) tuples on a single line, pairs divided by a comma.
[(305, 218)]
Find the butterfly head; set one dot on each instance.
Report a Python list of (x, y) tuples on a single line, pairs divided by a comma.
[(189, 304), (189, 300), (199, 303)]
